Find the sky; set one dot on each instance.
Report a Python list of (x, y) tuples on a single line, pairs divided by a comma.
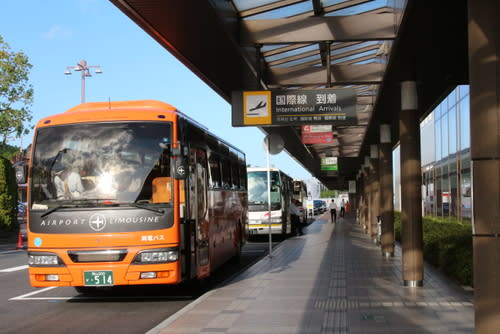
[(55, 34)]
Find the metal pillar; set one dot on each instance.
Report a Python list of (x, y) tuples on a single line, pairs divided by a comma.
[(386, 191), (411, 183), (484, 54)]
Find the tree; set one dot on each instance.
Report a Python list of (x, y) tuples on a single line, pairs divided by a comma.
[(8, 196), (16, 94), (8, 151)]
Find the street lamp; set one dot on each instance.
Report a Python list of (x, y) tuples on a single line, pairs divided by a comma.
[(85, 70)]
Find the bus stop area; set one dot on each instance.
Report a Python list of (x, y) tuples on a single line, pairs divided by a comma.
[(333, 279)]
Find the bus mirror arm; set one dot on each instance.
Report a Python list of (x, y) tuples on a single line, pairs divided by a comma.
[(180, 168)]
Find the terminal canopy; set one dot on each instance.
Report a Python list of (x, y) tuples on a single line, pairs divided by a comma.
[(365, 45)]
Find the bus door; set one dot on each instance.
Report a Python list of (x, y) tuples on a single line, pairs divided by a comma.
[(198, 213)]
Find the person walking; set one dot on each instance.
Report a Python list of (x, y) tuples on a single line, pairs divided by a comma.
[(342, 208), (333, 211), (294, 213)]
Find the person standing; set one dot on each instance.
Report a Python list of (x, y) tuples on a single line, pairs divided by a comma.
[(333, 211), (294, 213)]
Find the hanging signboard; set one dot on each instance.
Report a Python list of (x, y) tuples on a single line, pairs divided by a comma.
[(294, 107), (329, 164), (316, 134), (316, 138), (352, 186), (316, 128)]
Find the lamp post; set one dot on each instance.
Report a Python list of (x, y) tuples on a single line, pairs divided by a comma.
[(84, 69)]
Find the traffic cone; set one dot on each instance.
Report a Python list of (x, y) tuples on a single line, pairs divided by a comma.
[(19, 241)]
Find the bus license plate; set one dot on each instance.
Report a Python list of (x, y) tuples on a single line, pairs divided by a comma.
[(98, 278)]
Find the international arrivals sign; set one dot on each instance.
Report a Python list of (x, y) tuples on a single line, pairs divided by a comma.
[(294, 107)]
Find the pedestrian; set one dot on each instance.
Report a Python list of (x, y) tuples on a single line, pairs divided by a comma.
[(333, 211), (294, 213), (342, 208), (347, 207)]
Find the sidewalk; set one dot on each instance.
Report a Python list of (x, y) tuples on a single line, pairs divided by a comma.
[(331, 280)]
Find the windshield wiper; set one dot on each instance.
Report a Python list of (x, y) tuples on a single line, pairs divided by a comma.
[(139, 206), (49, 211), (76, 203)]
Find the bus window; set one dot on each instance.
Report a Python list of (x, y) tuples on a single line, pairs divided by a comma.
[(162, 190), (235, 174), (243, 178), (215, 178), (226, 174)]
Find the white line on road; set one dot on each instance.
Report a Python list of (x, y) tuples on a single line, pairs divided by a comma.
[(33, 293), (9, 270)]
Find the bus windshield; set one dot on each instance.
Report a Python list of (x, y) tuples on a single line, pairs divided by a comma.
[(257, 191), (100, 162)]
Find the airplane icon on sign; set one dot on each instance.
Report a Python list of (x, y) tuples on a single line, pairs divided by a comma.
[(260, 105)]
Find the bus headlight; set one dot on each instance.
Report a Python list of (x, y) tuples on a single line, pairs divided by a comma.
[(159, 255), (39, 259)]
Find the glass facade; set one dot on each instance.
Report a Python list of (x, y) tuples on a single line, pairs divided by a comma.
[(445, 158)]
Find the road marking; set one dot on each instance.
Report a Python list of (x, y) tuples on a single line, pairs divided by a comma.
[(27, 296), (8, 270), (33, 293)]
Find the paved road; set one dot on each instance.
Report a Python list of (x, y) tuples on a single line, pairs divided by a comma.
[(24, 309)]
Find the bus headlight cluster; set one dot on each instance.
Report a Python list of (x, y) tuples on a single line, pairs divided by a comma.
[(160, 255), (38, 259)]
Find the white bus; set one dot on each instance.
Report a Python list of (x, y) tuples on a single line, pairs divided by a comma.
[(258, 207)]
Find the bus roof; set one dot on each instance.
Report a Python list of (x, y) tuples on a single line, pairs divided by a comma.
[(122, 105)]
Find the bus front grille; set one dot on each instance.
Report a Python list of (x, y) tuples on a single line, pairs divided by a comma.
[(109, 255)]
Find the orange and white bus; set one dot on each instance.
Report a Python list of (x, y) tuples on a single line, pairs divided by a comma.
[(131, 193)]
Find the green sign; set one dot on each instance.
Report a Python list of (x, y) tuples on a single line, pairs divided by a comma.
[(329, 164)]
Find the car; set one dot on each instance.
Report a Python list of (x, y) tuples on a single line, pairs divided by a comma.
[(319, 206)]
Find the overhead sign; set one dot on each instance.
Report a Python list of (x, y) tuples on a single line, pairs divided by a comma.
[(316, 134), (294, 107), (316, 128), (316, 137), (352, 186), (329, 164)]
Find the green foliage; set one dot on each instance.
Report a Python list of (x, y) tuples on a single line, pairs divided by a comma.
[(447, 245), (16, 94), (8, 196), (329, 193), (8, 151)]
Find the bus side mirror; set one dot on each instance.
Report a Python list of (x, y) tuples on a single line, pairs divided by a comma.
[(21, 173), (180, 168)]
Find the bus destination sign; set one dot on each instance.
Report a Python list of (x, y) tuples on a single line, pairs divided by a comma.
[(294, 107)]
